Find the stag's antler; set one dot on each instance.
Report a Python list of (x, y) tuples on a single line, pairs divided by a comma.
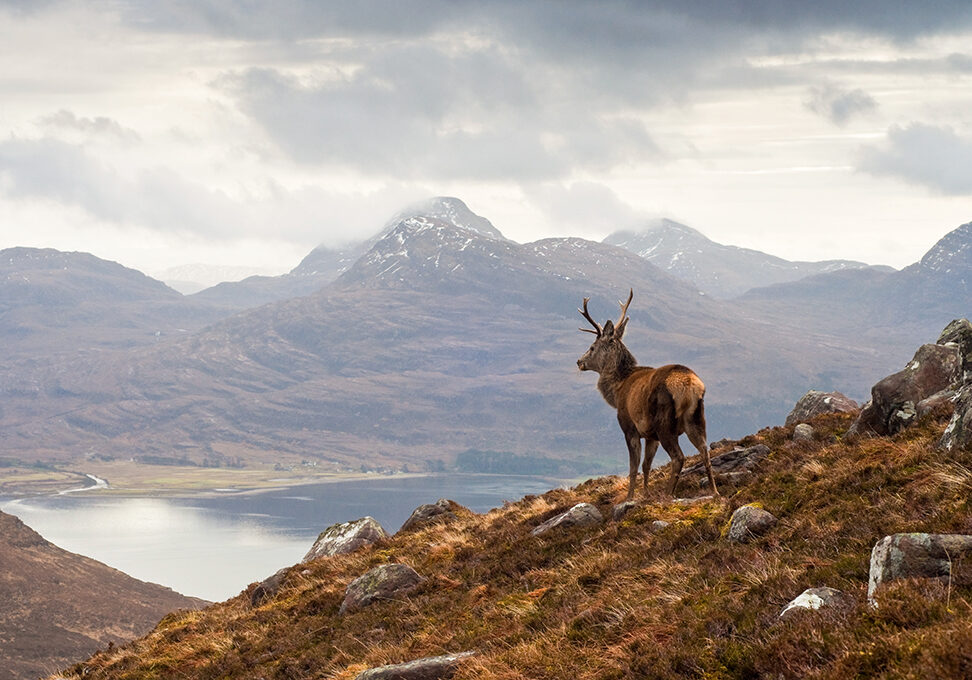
[(598, 330), (624, 308)]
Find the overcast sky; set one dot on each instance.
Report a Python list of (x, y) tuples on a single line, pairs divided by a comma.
[(245, 133)]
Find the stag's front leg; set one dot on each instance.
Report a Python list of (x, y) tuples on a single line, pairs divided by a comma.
[(634, 457)]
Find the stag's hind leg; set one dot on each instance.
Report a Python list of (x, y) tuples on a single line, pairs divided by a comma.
[(695, 429), (634, 457), (651, 445), (669, 442)]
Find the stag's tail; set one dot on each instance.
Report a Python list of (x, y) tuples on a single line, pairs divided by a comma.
[(688, 391)]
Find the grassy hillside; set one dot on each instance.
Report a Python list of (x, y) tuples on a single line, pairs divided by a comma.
[(621, 600)]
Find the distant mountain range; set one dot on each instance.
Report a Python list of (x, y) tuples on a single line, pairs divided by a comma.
[(59, 607), (716, 269), (438, 336)]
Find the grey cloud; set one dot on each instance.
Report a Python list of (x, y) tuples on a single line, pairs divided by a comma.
[(839, 104), (99, 126), (585, 207), (394, 117), (934, 157)]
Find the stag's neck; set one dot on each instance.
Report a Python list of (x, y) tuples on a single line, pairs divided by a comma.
[(611, 380)]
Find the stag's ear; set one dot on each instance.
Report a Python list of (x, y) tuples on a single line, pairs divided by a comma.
[(608, 328), (619, 331)]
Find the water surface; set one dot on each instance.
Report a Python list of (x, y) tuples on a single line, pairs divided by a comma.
[(213, 546)]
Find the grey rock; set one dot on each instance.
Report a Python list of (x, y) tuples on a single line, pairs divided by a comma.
[(581, 515), (959, 333), (815, 403), (388, 581), (268, 588), (345, 537), (440, 511), (622, 509), (659, 525), (892, 406), (816, 598), (917, 555), (738, 460), (958, 433), (945, 398), (749, 522), (803, 433), (432, 668)]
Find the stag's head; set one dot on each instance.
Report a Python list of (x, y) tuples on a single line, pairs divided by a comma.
[(607, 351)]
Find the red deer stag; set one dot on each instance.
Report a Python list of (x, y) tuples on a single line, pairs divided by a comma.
[(657, 404)]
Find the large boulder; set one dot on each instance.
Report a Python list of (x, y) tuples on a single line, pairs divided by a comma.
[(386, 582), (440, 511), (815, 403), (749, 522), (345, 537), (431, 668), (581, 515), (894, 399), (919, 556)]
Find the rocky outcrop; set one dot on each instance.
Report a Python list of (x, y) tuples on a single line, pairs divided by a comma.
[(919, 556), (346, 537), (385, 582), (622, 509), (815, 403), (581, 515), (894, 399), (432, 668), (815, 598), (732, 466), (749, 522), (440, 511)]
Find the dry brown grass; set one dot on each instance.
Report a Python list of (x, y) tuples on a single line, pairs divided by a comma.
[(619, 600)]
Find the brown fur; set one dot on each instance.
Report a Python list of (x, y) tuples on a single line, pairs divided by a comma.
[(654, 404)]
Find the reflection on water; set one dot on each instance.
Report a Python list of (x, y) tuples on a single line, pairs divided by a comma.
[(212, 547)]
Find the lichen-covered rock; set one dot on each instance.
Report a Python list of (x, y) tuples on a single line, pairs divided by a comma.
[(803, 433), (958, 433), (581, 515), (893, 399), (815, 598), (738, 462), (345, 537), (815, 403), (385, 582), (440, 511), (959, 332), (432, 668), (749, 522), (622, 509), (659, 525), (919, 555), (268, 588)]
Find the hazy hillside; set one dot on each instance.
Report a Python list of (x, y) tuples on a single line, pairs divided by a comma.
[(720, 270), (58, 607), (660, 593), (56, 302), (909, 303)]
